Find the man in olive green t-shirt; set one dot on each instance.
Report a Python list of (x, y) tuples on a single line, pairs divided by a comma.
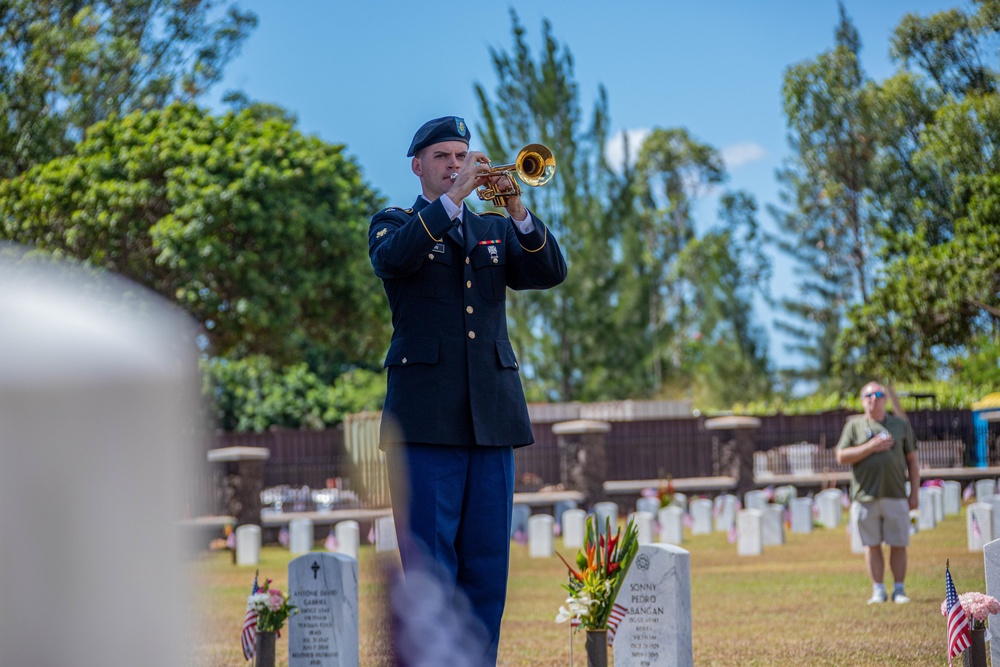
[(881, 450)]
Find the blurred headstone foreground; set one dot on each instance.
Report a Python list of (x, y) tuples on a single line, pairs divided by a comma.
[(98, 417)]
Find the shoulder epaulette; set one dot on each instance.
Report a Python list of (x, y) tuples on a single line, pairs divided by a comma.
[(407, 211), (500, 215)]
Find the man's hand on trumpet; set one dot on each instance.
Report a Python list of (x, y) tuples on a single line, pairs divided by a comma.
[(469, 176)]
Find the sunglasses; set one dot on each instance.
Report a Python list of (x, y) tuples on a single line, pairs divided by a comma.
[(876, 394)]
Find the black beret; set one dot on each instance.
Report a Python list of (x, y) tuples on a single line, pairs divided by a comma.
[(447, 128)]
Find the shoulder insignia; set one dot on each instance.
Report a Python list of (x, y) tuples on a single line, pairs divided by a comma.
[(407, 211), (499, 215), (380, 233)]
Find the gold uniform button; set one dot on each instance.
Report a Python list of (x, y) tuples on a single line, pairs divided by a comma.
[(404, 360), (468, 309), (468, 283), (472, 334), (466, 260)]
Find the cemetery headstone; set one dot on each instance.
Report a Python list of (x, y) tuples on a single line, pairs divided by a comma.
[(247, 544), (749, 526), (681, 500), (643, 526), (540, 536), (348, 534), (773, 525), (952, 497), (385, 534), (937, 502), (831, 507), (604, 511), (802, 515), (725, 512), (656, 593), (300, 536), (853, 515), (755, 500), (647, 504), (979, 525), (558, 510), (991, 563), (925, 509), (985, 488), (671, 520), (324, 633), (574, 528), (701, 516), (99, 426)]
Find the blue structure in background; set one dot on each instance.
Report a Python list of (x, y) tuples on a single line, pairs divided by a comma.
[(983, 413)]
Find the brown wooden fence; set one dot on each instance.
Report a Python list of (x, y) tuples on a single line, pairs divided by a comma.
[(636, 449)]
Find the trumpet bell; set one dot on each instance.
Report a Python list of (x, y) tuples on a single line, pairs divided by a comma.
[(536, 165)]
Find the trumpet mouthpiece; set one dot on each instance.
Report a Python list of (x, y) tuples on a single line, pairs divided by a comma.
[(454, 176)]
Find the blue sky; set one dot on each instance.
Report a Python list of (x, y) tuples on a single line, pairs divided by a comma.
[(367, 73)]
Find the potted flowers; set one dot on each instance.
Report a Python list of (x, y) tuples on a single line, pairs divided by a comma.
[(272, 608), (593, 584), (977, 608)]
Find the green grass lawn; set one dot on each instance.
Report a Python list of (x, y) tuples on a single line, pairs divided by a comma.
[(800, 604)]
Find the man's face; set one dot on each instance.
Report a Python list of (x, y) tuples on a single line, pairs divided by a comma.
[(435, 165), (873, 399)]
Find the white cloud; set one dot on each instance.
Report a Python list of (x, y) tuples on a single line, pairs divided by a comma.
[(746, 152), (614, 149)]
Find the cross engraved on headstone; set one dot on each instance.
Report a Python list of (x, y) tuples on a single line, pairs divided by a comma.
[(315, 568)]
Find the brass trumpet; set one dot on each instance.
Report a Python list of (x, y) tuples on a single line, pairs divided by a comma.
[(535, 165)]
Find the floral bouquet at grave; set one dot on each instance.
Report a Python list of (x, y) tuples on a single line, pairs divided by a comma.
[(272, 606), (977, 608), (600, 569), (666, 492)]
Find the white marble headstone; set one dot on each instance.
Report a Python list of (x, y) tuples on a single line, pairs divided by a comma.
[(247, 544), (604, 512), (324, 633), (725, 512), (925, 509), (831, 508), (671, 520), (773, 525), (348, 534), (857, 546), (656, 593), (574, 528), (643, 526), (540, 535), (991, 563), (385, 534), (952, 497), (985, 488), (701, 516), (681, 500), (300, 536), (979, 525), (802, 515), (647, 504), (99, 434), (749, 527), (755, 500), (937, 501)]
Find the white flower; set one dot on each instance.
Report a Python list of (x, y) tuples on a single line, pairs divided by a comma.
[(575, 607), (259, 601)]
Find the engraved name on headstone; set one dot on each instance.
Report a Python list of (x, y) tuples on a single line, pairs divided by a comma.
[(324, 633), (656, 593)]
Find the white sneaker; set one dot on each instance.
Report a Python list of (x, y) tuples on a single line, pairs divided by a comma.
[(899, 598), (878, 599)]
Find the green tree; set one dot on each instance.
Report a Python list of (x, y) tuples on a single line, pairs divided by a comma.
[(828, 220), (67, 64), (936, 309), (256, 230), (559, 332)]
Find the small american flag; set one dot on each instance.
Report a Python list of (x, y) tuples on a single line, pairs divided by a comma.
[(249, 634), (618, 612), (977, 533), (958, 623), (969, 492)]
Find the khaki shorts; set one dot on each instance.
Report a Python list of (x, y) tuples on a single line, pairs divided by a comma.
[(883, 520)]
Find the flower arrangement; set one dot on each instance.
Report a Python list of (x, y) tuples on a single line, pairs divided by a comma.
[(977, 607), (272, 607), (601, 567), (666, 493)]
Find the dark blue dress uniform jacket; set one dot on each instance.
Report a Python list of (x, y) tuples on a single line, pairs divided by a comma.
[(452, 375)]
